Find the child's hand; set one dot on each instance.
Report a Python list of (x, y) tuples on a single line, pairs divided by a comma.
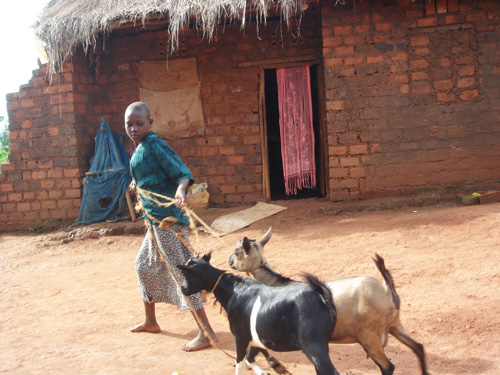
[(131, 187), (180, 195), (180, 199)]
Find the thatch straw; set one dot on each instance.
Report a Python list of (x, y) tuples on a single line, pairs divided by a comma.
[(66, 24)]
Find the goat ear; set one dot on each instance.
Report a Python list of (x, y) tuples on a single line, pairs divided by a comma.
[(246, 244), (207, 257), (266, 237), (184, 269)]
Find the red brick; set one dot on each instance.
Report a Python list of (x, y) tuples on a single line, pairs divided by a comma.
[(64, 203), (419, 64), (29, 196), (55, 194), (466, 82), (419, 41), (55, 173), (23, 207), (332, 41), (469, 94), (349, 183), (450, 19), (445, 97), (445, 62), (44, 164), (338, 150), (427, 22), (47, 184), (335, 105), (236, 159), (39, 175), (453, 6), (422, 51), (342, 30), (27, 124), (71, 172), (354, 60), (430, 6), (466, 70), (49, 204), (374, 59), (358, 149), (419, 76), (15, 197), (441, 6), (349, 161), (399, 78), (6, 187), (383, 26), (445, 84), (362, 29), (400, 57), (42, 195), (357, 172)]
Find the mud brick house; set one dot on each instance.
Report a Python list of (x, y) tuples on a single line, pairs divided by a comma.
[(404, 95)]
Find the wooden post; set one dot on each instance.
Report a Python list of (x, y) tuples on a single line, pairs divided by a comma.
[(130, 206)]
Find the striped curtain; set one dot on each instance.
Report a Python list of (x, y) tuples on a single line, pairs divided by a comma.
[(296, 128)]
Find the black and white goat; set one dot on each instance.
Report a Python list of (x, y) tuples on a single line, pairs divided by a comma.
[(367, 308), (288, 318)]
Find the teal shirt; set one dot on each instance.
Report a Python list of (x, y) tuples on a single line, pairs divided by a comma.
[(155, 167)]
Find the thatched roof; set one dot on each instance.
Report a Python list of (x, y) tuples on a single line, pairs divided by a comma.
[(65, 24)]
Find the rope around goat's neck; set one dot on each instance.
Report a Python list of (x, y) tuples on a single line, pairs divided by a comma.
[(217, 282), (262, 264)]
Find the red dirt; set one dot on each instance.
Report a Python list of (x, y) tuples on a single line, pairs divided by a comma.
[(68, 299)]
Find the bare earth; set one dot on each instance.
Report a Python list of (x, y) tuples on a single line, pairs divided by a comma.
[(68, 299)]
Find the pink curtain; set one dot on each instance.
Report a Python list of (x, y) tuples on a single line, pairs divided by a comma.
[(296, 128)]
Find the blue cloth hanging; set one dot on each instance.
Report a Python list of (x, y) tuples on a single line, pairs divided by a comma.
[(107, 180)]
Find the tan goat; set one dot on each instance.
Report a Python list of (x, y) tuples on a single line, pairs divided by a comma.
[(367, 308)]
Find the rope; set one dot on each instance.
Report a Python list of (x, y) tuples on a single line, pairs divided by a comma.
[(196, 317), (262, 264), (165, 224)]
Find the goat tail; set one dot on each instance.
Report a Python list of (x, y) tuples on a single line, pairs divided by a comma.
[(325, 292), (379, 262)]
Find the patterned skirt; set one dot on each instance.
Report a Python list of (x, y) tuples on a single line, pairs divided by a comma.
[(156, 283)]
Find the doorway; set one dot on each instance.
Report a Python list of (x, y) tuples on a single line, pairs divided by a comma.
[(276, 181)]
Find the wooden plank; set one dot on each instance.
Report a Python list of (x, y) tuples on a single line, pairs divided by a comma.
[(130, 205), (441, 6), (266, 185), (453, 6), (430, 7), (323, 134), (279, 61)]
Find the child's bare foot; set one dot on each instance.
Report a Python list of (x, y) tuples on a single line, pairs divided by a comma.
[(146, 327), (198, 343)]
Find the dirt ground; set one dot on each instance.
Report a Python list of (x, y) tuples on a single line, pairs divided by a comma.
[(69, 297)]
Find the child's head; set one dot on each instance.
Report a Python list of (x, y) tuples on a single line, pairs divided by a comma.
[(138, 121)]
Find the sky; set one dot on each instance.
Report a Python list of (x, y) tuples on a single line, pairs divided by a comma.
[(18, 47)]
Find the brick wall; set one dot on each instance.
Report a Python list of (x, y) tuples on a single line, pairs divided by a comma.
[(412, 100), (50, 144), (412, 95), (227, 156)]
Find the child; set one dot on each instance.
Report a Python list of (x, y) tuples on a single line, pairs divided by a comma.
[(156, 167)]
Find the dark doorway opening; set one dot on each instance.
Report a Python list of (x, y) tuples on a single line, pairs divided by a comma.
[(276, 179)]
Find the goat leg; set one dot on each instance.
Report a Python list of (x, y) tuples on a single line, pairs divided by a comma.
[(275, 364)]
